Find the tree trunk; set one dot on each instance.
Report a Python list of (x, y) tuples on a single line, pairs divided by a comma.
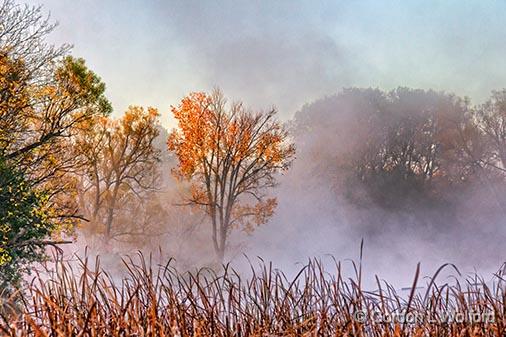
[(220, 254), (220, 241), (110, 215)]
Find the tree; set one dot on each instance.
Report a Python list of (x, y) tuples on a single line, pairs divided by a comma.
[(25, 225), (230, 156), (491, 123), (45, 97), (118, 168), (491, 119), (38, 123), (417, 137), (23, 36), (411, 154)]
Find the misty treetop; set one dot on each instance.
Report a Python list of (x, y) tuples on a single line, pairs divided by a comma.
[(417, 156)]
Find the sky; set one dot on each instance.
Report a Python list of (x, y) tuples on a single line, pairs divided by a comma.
[(283, 53)]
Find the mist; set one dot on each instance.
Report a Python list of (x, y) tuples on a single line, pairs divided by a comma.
[(298, 57), (284, 54), (317, 217), (325, 210), (238, 168)]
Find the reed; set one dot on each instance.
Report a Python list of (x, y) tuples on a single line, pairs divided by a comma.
[(154, 300)]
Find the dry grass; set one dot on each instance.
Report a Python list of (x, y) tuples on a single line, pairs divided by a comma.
[(159, 301)]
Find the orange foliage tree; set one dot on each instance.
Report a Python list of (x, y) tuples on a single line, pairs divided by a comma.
[(230, 156)]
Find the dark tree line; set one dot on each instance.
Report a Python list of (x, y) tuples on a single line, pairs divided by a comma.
[(407, 150)]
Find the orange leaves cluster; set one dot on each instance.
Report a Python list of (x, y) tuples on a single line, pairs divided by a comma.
[(253, 216), (12, 82), (271, 149), (207, 132), (14, 98), (192, 140), (137, 120)]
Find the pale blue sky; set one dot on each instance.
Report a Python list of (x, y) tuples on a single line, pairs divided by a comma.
[(283, 53)]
